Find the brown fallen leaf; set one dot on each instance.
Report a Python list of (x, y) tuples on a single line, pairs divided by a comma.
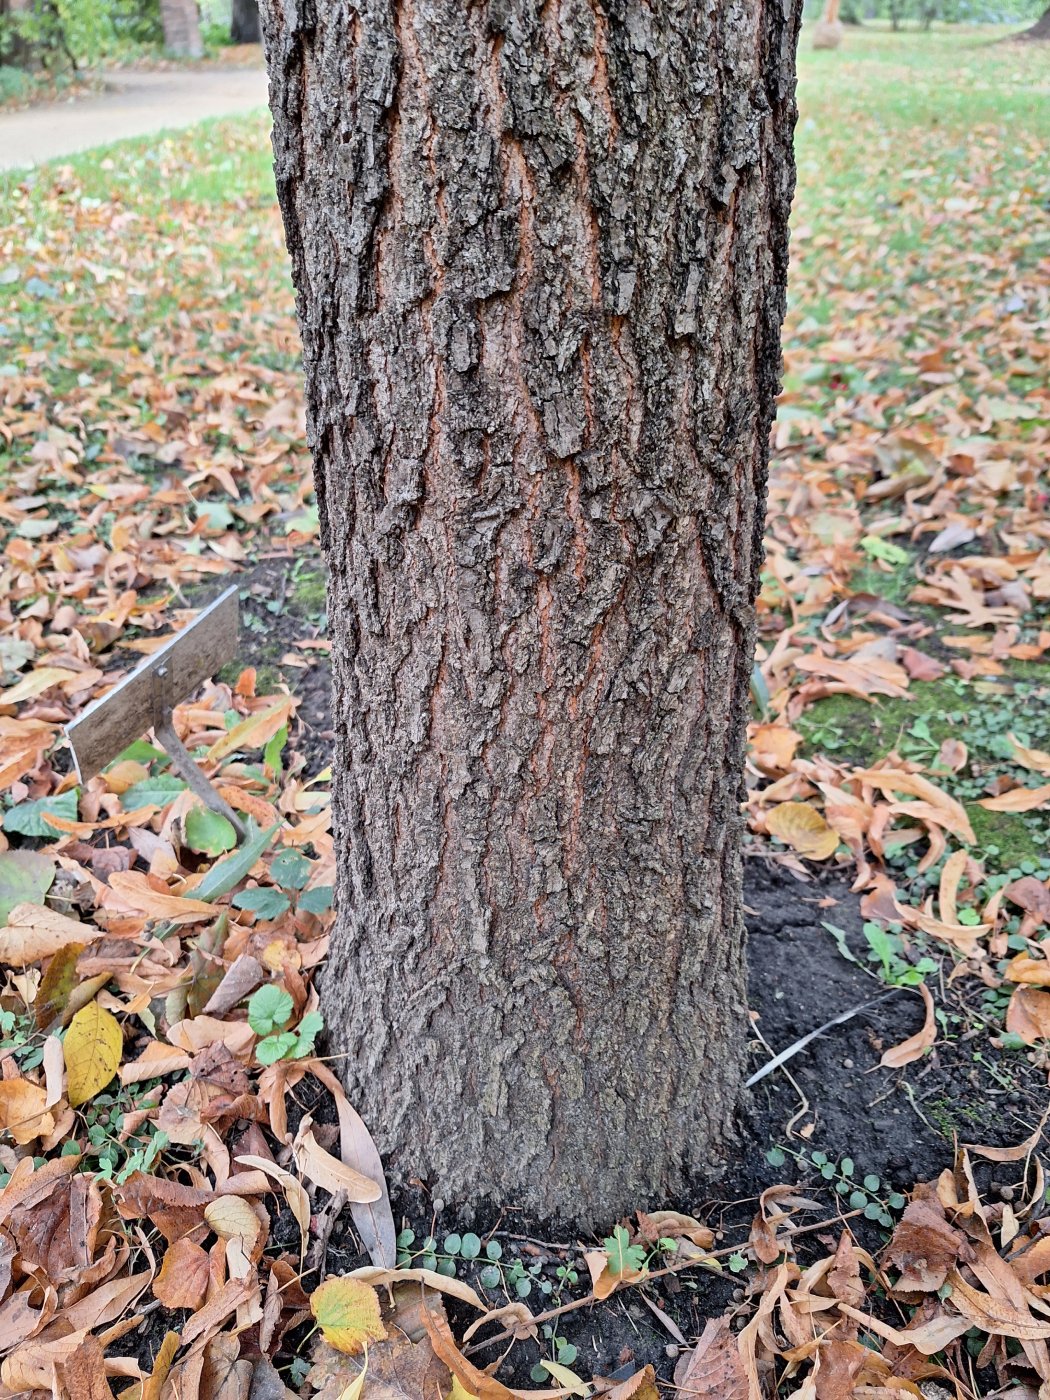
[(772, 747), (1036, 760), (374, 1220), (940, 807), (327, 1171), (1018, 799), (713, 1370), (1011, 1154), (1031, 895), (34, 932), (1028, 1014), (1034, 972), (916, 1045), (23, 1111), (924, 1246), (82, 1374), (477, 1383), (184, 1276), (996, 1315)]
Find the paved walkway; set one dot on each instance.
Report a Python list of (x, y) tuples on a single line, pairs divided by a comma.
[(135, 104)]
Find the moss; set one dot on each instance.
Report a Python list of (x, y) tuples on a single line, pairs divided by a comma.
[(892, 584), (860, 731), (306, 589), (1006, 831)]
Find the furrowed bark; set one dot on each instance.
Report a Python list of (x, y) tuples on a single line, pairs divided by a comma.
[(540, 254)]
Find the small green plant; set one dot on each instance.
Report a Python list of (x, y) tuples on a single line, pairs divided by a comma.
[(886, 948), (113, 1155), (290, 871), (21, 1038), (269, 1011), (862, 1193), (624, 1257), (517, 1278)]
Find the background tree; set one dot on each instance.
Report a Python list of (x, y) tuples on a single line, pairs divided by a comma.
[(540, 252), (244, 22), (182, 35)]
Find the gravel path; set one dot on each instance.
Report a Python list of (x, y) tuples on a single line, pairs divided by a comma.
[(135, 104)]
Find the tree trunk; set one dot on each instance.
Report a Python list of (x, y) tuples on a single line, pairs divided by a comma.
[(182, 35), (244, 22), (1039, 30), (540, 248)]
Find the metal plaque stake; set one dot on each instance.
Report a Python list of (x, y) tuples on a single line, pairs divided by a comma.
[(147, 697)]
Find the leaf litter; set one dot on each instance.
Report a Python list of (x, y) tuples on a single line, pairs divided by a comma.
[(152, 1145)]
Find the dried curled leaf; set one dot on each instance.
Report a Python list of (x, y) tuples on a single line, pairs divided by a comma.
[(92, 1050), (23, 1111), (916, 1045), (802, 828), (1028, 1014), (347, 1312)]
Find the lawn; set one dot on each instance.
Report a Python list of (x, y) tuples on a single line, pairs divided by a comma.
[(153, 447)]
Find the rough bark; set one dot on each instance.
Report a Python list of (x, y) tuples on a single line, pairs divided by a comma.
[(540, 251), (182, 35), (245, 27)]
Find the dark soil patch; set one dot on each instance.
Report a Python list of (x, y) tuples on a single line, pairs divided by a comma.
[(893, 1124)]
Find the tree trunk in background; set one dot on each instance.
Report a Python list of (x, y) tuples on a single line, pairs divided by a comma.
[(827, 33), (244, 22), (182, 35), (540, 249), (1039, 30)]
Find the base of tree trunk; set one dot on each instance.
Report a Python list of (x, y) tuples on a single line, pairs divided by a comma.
[(1040, 31), (827, 36)]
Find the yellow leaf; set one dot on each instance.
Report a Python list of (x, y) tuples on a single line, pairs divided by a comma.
[(35, 684), (569, 1379), (458, 1391), (91, 1049), (23, 1111), (251, 733), (804, 829), (347, 1312), (356, 1388)]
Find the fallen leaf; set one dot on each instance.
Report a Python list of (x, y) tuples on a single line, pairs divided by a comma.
[(92, 1049), (713, 1370), (924, 1247), (1018, 799), (916, 1045), (23, 1111), (347, 1311), (184, 1276), (25, 878), (802, 828), (231, 1218), (327, 1171), (1029, 894), (1028, 1014), (34, 932)]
